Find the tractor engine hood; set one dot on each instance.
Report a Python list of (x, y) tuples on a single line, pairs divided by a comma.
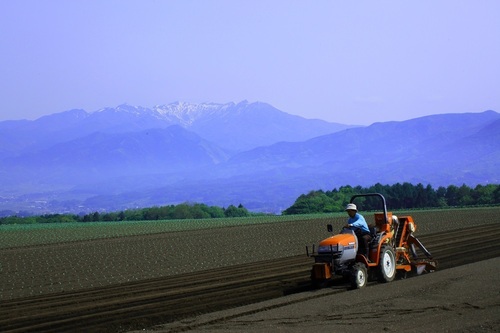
[(338, 243)]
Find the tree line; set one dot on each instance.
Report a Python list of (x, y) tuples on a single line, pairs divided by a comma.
[(171, 212), (398, 196)]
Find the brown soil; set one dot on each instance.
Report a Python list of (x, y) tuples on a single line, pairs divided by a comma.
[(461, 299)]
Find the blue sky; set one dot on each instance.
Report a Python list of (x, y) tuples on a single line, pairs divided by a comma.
[(352, 62)]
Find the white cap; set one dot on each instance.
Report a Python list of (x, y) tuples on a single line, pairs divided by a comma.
[(351, 206)]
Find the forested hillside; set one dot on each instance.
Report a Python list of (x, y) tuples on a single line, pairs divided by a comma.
[(398, 196)]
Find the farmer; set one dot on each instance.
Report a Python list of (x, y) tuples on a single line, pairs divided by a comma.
[(357, 223)]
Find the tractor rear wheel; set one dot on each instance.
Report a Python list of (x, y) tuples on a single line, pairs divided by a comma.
[(359, 276), (387, 265)]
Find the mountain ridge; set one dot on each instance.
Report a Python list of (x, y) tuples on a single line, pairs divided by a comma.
[(125, 157), (211, 125)]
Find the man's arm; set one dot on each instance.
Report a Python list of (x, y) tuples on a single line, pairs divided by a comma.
[(357, 222)]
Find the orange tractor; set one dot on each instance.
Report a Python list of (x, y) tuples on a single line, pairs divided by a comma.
[(392, 251)]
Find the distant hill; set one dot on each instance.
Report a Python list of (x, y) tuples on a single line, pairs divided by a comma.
[(222, 154), (426, 139)]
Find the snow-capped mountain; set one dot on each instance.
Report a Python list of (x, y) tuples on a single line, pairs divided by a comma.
[(235, 127), (187, 114)]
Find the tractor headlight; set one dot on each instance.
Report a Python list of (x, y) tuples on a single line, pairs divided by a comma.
[(330, 248), (412, 227)]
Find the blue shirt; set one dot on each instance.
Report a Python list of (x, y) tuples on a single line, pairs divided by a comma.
[(358, 221)]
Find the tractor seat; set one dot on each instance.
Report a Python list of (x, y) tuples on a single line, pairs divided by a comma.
[(375, 237), (373, 231)]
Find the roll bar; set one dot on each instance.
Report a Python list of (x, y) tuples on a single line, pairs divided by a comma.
[(373, 195)]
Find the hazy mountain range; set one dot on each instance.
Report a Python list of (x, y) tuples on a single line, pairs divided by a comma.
[(222, 154)]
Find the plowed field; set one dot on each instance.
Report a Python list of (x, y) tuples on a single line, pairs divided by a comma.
[(97, 303)]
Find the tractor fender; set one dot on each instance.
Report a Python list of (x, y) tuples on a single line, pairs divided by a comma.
[(384, 239)]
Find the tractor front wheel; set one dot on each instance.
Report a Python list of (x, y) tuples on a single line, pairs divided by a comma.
[(387, 265), (359, 276)]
